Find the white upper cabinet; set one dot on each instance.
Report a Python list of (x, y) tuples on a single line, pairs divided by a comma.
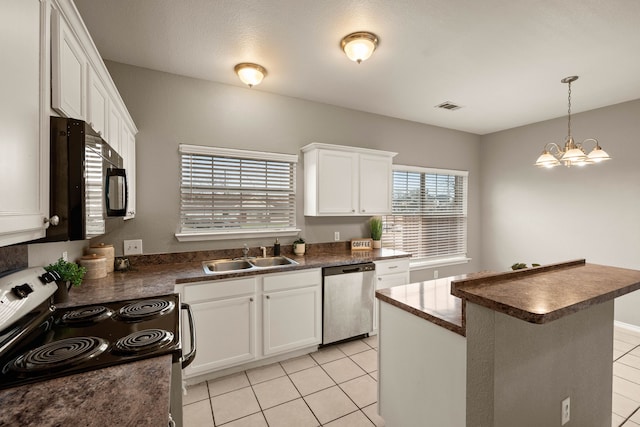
[(24, 122), (129, 155), (346, 181), (98, 103), (68, 71), (115, 129)]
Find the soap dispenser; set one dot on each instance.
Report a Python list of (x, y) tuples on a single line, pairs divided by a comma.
[(276, 248)]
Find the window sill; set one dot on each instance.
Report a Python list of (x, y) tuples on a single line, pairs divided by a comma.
[(443, 262), (235, 234)]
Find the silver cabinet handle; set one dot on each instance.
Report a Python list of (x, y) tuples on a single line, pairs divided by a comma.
[(250, 299), (54, 220), (268, 297), (379, 279), (392, 267)]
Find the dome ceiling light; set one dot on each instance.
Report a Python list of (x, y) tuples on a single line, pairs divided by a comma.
[(359, 46), (573, 153), (250, 74)]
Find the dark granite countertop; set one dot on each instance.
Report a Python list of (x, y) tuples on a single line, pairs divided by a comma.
[(137, 393), (154, 279), (546, 293), (133, 394), (432, 301)]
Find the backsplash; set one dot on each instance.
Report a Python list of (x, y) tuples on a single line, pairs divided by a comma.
[(13, 258)]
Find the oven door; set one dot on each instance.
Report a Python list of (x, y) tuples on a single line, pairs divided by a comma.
[(175, 406)]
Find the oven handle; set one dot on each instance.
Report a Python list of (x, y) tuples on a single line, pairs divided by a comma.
[(186, 360)]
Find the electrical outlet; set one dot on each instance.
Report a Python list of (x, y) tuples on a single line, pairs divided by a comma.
[(566, 410), (435, 274), (133, 247), (336, 236)]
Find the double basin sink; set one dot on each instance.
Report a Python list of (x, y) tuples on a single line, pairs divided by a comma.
[(245, 264)]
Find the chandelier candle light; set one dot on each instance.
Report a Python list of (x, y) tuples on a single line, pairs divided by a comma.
[(573, 153)]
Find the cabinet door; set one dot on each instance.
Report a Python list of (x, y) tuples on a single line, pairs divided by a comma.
[(387, 281), (129, 154), (115, 128), (225, 334), (337, 183), (24, 188), (98, 104), (291, 319), (375, 185), (68, 70)]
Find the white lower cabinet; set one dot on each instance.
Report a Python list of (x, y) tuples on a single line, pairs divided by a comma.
[(291, 311), (226, 315), (389, 273)]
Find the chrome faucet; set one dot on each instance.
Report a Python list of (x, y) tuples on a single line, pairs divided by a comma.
[(245, 251), (264, 251)]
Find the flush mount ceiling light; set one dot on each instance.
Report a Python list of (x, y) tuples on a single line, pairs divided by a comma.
[(359, 46), (250, 74), (573, 153)]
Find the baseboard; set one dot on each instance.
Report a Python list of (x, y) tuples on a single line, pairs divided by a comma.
[(627, 326)]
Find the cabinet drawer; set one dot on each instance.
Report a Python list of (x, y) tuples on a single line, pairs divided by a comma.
[(392, 266), (278, 282), (219, 289)]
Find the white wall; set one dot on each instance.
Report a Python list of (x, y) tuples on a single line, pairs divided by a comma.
[(540, 215), (170, 109)]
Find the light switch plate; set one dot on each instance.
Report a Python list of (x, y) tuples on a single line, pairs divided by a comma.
[(133, 247)]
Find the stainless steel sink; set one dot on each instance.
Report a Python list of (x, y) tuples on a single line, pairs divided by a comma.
[(219, 266), (226, 265), (272, 261)]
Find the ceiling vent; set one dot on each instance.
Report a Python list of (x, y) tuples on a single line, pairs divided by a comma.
[(448, 105)]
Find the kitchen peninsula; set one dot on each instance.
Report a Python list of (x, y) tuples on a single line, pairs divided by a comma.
[(501, 349)]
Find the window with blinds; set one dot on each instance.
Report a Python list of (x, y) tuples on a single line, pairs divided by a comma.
[(429, 213), (225, 190)]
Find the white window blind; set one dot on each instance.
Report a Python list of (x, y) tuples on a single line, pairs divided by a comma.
[(429, 213), (225, 190)]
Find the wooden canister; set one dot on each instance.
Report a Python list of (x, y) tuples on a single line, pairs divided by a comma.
[(96, 266), (104, 250)]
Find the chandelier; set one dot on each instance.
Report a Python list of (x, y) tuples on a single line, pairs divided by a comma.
[(573, 153)]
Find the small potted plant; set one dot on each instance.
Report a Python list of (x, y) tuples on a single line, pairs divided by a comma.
[(299, 246), (522, 265), (71, 274), (375, 225)]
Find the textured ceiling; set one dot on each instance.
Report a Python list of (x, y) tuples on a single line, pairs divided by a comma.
[(502, 60)]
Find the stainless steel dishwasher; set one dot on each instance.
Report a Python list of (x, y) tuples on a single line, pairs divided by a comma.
[(347, 301)]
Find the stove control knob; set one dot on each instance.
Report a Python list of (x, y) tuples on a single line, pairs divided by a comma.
[(21, 291), (49, 276)]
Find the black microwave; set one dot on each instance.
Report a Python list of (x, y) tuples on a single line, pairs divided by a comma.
[(88, 184)]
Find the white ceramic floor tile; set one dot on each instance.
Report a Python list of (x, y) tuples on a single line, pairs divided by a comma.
[(367, 360), (254, 420), (630, 360), (342, 370), (298, 364), (233, 405), (623, 346), (371, 341), (623, 406), (626, 388), (195, 393), (265, 373), (291, 414), (274, 392), (374, 375), (627, 337), (311, 380), (327, 354), (353, 347), (330, 404), (631, 423), (362, 390), (197, 414), (627, 372), (227, 384), (371, 412), (616, 420), (354, 419), (635, 417)]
